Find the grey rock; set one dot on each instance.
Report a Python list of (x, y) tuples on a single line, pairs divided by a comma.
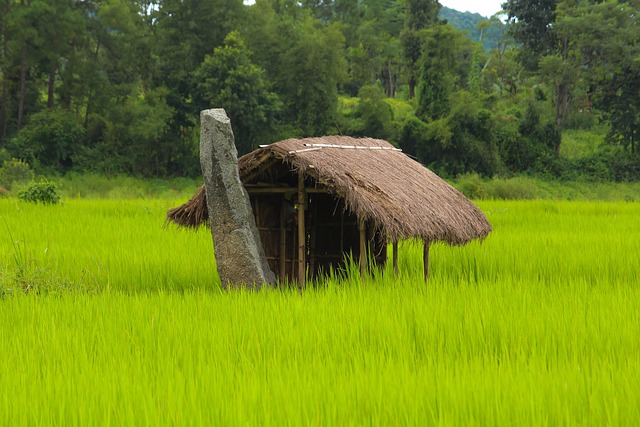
[(240, 257)]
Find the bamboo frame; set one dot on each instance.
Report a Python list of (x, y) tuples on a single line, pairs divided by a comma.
[(312, 238), (301, 231), (363, 247), (282, 266), (263, 189), (341, 246), (395, 258)]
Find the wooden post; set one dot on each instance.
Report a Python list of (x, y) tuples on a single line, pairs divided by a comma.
[(363, 247), (427, 245), (294, 251), (301, 231), (342, 233), (283, 240), (395, 258), (312, 237)]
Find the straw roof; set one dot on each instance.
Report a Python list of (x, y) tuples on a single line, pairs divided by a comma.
[(377, 182)]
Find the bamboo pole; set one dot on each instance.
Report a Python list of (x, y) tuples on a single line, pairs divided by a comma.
[(427, 245), (395, 258), (341, 233), (313, 237), (363, 247), (283, 240), (301, 231)]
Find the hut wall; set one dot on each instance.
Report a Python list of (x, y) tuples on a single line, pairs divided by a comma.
[(334, 233), (267, 210), (331, 233)]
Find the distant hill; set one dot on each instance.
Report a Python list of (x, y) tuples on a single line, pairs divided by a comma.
[(468, 22)]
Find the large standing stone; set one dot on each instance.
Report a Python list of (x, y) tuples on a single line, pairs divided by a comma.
[(239, 253)]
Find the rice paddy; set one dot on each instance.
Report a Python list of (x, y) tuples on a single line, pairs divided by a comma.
[(107, 318)]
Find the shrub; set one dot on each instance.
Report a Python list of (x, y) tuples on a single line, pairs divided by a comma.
[(14, 171), (4, 155), (513, 189), (472, 186), (51, 139), (43, 191)]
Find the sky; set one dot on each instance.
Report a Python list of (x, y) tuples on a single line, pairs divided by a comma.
[(485, 8)]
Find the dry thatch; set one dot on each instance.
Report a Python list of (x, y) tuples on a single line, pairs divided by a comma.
[(193, 213), (400, 196)]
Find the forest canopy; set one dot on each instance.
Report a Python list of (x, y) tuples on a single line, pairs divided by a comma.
[(116, 86)]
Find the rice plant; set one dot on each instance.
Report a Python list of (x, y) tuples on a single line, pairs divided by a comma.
[(537, 325)]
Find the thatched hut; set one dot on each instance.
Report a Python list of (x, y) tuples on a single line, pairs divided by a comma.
[(316, 200)]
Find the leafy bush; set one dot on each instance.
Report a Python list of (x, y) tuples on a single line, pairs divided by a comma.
[(14, 171), (51, 139), (43, 191), (472, 186), (4, 155), (512, 189)]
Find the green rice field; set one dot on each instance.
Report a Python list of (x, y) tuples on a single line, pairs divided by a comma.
[(107, 318)]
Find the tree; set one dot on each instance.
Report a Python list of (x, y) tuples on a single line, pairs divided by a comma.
[(309, 73), (463, 140), (372, 117), (52, 139), (503, 70), (443, 64), (229, 79), (531, 24), (185, 32), (419, 15), (613, 49)]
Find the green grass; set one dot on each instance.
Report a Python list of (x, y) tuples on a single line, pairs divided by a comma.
[(537, 325), (95, 186), (530, 188)]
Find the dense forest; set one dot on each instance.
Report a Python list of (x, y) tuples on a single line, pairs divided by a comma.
[(486, 31), (116, 86)]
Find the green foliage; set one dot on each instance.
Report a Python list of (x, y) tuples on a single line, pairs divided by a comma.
[(4, 155), (463, 140), (228, 79), (412, 135), (531, 24), (531, 187), (472, 186), (310, 72), (442, 67), (43, 191), (473, 25), (116, 86), (372, 115), (579, 143), (52, 139), (15, 171), (527, 139), (94, 186)]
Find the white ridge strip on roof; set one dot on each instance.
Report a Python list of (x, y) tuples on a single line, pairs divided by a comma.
[(353, 147), (305, 149)]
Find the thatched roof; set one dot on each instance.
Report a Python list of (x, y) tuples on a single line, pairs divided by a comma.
[(400, 196)]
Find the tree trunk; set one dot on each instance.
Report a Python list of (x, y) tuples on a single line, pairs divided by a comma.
[(412, 87), (5, 85), (562, 108), (562, 95), (23, 84), (88, 109), (52, 80)]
